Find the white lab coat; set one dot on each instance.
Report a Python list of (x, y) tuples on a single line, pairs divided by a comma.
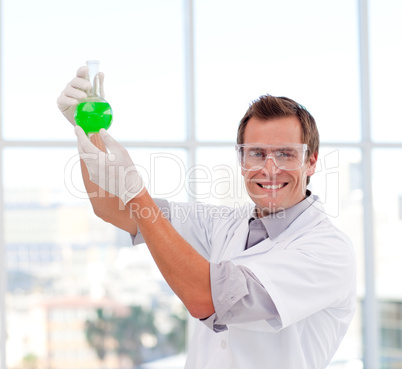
[(309, 272)]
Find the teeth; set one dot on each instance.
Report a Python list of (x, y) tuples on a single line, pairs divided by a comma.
[(273, 187)]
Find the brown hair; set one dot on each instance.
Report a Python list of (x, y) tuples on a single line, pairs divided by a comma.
[(271, 107)]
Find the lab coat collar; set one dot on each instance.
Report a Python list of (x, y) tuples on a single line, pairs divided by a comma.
[(277, 222), (306, 215)]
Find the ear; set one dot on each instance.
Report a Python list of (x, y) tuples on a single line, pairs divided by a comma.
[(311, 164)]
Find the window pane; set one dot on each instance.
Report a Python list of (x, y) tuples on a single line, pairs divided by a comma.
[(218, 177), (164, 171), (139, 44), (386, 61), (71, 275), (304, 50), (388, 242)]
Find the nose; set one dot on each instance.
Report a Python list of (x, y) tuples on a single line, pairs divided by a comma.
[(270, 168)]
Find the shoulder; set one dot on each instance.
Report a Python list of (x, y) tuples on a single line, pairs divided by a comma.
[(313, 228)]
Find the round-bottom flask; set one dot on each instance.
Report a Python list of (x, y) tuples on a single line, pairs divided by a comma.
[(94, 112)]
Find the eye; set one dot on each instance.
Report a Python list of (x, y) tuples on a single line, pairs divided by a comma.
[(285, 154), (256, 153)]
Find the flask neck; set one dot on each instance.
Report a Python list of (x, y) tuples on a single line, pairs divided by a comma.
[(95, 87)]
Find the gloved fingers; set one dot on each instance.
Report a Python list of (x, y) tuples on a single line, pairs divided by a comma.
[(84, 144), (73, 92), (65, 102), (82, 71), (88, 159), (110, 142), (82, 75), (70, 93), (79, 83), (80, 150)]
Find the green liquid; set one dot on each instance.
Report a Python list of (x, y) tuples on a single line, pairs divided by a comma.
[(91, 116)]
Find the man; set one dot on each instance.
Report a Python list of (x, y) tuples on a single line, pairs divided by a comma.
[(272, 285)]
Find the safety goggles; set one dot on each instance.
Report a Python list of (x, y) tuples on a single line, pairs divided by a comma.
[(285, 157)]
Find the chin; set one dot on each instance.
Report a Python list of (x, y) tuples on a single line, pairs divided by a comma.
[(269, 207)]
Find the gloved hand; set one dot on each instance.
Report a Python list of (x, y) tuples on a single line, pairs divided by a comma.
[(113, 171), (77, 89)]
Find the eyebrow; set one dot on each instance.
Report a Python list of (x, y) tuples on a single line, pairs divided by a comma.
[(285, 148), (273, 147)]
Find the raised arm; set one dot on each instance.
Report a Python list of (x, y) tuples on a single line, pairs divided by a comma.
[(105, 205), (184, 269)]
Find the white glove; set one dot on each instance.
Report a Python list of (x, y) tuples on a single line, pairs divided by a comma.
[(76, 90), (113, 171)]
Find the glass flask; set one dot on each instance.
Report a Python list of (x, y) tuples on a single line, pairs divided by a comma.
[(94, 112)]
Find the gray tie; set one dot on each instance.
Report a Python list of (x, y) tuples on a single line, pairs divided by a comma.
[(257, 233)]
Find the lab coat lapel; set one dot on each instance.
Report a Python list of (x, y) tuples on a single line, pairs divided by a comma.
[(237, 243), (308, 219)]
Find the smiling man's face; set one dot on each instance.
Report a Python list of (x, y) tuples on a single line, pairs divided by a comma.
[(271, 188)]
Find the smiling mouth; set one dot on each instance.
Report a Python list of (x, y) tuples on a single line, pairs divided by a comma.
[(272, 187)]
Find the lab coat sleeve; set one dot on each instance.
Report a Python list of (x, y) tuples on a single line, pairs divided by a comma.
[(238, 297), (194, 221), (310, 274)]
